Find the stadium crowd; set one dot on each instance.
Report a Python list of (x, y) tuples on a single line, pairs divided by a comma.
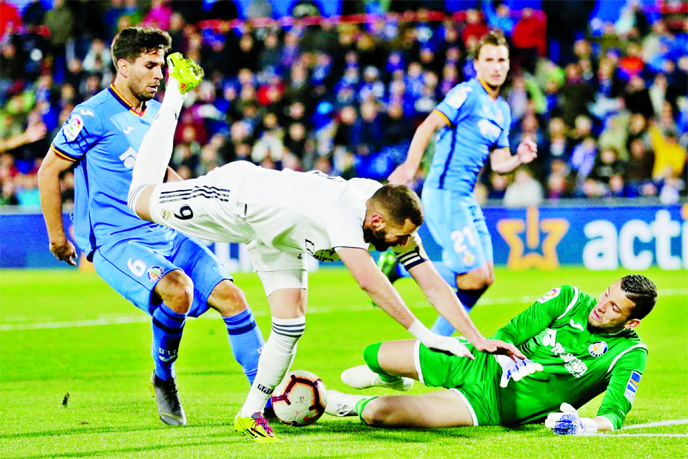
[(605, 103)]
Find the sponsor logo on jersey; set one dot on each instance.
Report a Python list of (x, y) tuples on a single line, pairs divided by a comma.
[(549, 295), (155, 273), (598, 348), (573, 364), (87, 112), (128, 130), (632, 386), (458, 97), (73, 127)]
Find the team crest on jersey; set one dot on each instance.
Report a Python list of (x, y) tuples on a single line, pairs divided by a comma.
[(598, 348), (165, 214), (549, 295), (155, 273), (632, 386), (468, 258), (73, 127)]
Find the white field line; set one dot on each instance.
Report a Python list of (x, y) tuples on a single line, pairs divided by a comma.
[(133, 319), (643, 435), (672, 422)]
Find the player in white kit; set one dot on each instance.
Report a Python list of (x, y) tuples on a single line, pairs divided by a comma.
[(282, 216)]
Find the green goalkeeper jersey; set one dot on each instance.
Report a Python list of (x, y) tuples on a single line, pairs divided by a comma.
[(578, 364)]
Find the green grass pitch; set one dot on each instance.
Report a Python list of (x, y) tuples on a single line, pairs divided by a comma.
[(68, 332)]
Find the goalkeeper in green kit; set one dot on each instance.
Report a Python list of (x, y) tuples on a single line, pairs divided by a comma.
[(576, 347)]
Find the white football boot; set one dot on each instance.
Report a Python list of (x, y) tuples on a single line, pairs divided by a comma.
[(341, 404), (362, 377)]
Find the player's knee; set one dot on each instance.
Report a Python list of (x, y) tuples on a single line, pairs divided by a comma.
[(379, 412), (480, 279), (176, 290), (228, 299)]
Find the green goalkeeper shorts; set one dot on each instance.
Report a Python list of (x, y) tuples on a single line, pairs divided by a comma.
[(476, 381)]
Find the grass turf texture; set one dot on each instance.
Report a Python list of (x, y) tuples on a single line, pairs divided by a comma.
[(106, 368)]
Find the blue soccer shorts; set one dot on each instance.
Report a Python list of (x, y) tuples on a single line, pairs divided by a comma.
[(133, 268), (457, 224)]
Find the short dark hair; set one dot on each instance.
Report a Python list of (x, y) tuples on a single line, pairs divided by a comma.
[(399, 203), (132, 42), (642, 292), (493, 37)]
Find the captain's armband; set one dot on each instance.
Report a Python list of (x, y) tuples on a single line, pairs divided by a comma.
[(410, 259)]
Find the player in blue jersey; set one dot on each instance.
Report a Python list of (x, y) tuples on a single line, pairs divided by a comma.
[(472, 124), (161, 271)]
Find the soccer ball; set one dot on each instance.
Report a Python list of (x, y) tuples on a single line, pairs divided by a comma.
[(300, 399)]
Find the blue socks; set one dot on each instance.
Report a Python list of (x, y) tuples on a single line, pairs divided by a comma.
[(467, 297), (167, 334), (246, 341)]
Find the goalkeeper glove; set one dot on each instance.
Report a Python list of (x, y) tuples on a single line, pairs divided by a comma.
[(515, 369), (568, 422)]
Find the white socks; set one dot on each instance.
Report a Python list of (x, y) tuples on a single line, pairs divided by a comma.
[(277, 356), (156, 148)]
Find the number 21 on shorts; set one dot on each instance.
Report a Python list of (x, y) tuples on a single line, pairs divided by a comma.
[(464, 240)]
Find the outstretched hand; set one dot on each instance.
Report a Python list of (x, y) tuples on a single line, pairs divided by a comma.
[(64, 251), (447, 344), (402, 175), (499, 347)]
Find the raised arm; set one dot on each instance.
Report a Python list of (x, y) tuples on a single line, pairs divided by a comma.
[(502, 162), (51, 204), (377, 286), (405, 172)]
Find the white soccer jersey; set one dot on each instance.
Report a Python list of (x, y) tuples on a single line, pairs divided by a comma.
[(280, 215)]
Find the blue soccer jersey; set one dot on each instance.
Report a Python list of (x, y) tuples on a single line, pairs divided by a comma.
[(478, 124), (103, 135)]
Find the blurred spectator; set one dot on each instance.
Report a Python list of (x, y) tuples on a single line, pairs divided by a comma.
[(615, 135), (269, 144), (369, 135), (576, 94), (499, 17), (525, 191), (159, 15), (557, 146), (529, 38), (98, 60), (583, 159), (60, 23), (474, 29), (637, 97), (607, 165), (10, 19), (640, 164), (670, 157), (33, 14)]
